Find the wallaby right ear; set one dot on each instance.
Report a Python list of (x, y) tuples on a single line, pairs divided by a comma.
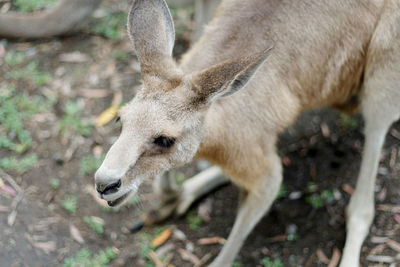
[(152, 32)]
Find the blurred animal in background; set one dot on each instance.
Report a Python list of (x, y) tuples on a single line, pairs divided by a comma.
[(69, 16)]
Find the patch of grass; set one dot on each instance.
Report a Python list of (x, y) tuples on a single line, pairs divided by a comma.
[(72, 121), (33, 5), (122, 56), (84, 258), (268, 262), (19, 165), (94, 223), (144, 248), (70, 203), (30, 72), (111, 25), (318, 200), (178, 177), (282, 192), (347, 122), (14, 58), (89, 164), (292, 237), (55, 183), (236, 264), (194, 221), (14, 110)]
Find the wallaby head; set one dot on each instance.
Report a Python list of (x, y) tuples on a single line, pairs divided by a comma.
[(162, 125)]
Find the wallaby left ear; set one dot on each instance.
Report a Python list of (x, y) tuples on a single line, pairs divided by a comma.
[(225, 78)]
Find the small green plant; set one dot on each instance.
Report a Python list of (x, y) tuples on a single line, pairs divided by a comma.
[(95, 223), (55, 183), (312, 187), (267, 262), (70, 203), (84, 258), (347, 122), (33, 5), (89, 164), (72, 121), (282, 192), (194, 221), (122, 56), (144, 248), (236, 264), (19, 165), (292, 237), (13, 58), (110, 26), (30, 72), (178, 177), (318, 200), (14, 110)]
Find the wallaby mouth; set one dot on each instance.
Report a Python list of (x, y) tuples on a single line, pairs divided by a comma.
[(118, 197), (117, 201)]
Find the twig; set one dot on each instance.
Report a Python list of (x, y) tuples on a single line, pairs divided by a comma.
[(11, 181)]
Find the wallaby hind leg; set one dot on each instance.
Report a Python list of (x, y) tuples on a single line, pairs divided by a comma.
[(172, 198), (380, 109)]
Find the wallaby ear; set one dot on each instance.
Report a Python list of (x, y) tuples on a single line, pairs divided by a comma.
[(225, 78), (152, 32)]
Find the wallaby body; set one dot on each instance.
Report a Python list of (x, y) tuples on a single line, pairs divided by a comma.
[(344, 54)]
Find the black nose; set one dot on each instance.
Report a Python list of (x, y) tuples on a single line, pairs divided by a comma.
[(106, 189)]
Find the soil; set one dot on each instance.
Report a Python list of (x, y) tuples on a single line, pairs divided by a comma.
[(40, 235)]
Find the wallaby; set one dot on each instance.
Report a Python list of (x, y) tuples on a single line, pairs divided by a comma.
[(259, 64), (69, 16)]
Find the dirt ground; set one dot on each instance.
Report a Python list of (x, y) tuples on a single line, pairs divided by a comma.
[(305, 226)]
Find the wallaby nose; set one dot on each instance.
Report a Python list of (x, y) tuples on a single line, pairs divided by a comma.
[(109, 188)]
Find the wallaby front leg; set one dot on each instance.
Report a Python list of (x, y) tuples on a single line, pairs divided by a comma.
[(252, 208), (174, 198)]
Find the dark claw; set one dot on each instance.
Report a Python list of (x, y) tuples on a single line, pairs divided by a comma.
[(137, 227)]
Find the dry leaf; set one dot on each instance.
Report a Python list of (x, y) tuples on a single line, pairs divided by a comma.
[(377, 249), (390, 208), (106, 116), (76, 235), (74, 57), (393, 245), (205, 209), (163, 250), (211, 241), (8, 190), (47, 247), (157, 262), (188, 256), (11, 218), (325, 130), (162, 238), (117, 99), (94, 93), (322, 257), (335, 258), (379, 239), (396, 217), (4, 209), (278, 238), (380, 258), (348, 189)]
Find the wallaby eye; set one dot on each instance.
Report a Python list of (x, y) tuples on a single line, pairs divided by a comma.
[(164, 141), (117, 119)]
